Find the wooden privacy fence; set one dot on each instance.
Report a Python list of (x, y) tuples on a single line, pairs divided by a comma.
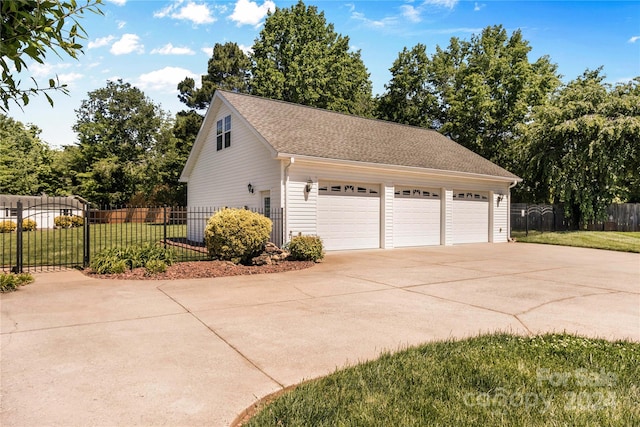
[(50, 246), (541, 217)]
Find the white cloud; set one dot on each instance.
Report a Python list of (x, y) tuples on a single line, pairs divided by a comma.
[(634, 39), (164, 80), (207, 50), (249, 13), (170, 49), (70, 79), (477, 7), (118, 2), (121, 24), (189, 11), (248, 50), (99, 42), (382, 23), (410, 13), (128, 43), (449, 4), (46, 70)]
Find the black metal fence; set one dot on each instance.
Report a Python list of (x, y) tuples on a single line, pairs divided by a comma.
[(528, 217), (32, 239)]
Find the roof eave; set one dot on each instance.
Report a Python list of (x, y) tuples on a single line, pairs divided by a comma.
[(368, 165)]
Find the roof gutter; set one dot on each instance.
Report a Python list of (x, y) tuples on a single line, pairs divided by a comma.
[(412, 169)]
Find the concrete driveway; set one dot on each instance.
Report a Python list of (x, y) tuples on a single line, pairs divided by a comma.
[(78, 351)]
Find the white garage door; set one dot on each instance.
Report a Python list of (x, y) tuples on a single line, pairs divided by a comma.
[(349, 215), (470, 217), (416, 217)]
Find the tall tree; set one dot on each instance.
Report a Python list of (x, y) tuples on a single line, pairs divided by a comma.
[(299, 58), (29, 29), (117, 127), (25, 160), (583, 149), (408, 99), (494, 87), (228, 69)]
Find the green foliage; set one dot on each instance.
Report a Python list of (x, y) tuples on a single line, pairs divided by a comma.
[(25, 160), (478, 92), (118, 260), (118, 128), (306, 248), (228, 69), (29, 224), (236, 235), (583, 148), (7, 226), (68, 221), (155, 266), (10, 282), (408, 99), (29, 29), (299, 58)]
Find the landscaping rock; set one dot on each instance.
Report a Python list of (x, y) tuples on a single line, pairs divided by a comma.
[(270, 255)]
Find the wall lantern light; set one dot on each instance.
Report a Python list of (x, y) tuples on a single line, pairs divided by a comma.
[(309, 186), (500, 198), (250, 188)]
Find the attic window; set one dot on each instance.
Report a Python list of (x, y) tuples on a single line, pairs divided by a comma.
[(223, 133)]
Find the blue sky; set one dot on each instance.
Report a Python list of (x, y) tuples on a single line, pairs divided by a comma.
[(154, 44)]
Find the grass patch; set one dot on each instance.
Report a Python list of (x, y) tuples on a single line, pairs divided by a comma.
[(492, 380), (610, 240)]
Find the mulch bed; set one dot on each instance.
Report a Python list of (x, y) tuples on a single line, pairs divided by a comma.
[(203, 269)]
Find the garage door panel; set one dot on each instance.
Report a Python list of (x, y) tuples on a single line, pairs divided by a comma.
[(470, 217), (416, 222), (348, 219)]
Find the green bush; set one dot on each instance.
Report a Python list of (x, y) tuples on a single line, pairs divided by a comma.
[(11, 282), (236, 235), (306, 248), (155, 266), (29, 224), (118, 260), (68, 221), (7, 226)]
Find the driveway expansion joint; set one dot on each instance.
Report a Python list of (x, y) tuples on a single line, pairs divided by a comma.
[(224, 340)]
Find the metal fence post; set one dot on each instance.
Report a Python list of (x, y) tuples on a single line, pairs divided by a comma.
[(164, 225), (86, 238), (19, 259)]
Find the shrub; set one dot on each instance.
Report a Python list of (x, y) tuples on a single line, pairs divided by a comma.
[(7, 226), (29, 224), (236, 235), (119, 260), (77, 221), (68, 221), (155, 266), (11, 282), (306, 248)]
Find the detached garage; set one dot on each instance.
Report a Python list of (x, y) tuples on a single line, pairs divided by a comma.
[(357, 183)]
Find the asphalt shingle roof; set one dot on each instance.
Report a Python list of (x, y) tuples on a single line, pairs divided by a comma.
[(305, 131)]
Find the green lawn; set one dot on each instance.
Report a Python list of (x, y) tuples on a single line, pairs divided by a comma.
[(64, 246), (493, 380), (611, 240)]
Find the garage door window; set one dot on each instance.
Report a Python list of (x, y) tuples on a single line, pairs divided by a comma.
[(348, 190), (470, 196), (416, 193)]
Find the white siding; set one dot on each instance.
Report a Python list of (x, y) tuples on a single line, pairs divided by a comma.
[(446, 213), (387, 215), (220, 178), (500, 218)]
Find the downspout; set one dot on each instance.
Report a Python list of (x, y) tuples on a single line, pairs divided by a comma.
[(285, 219), (513, 184)]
